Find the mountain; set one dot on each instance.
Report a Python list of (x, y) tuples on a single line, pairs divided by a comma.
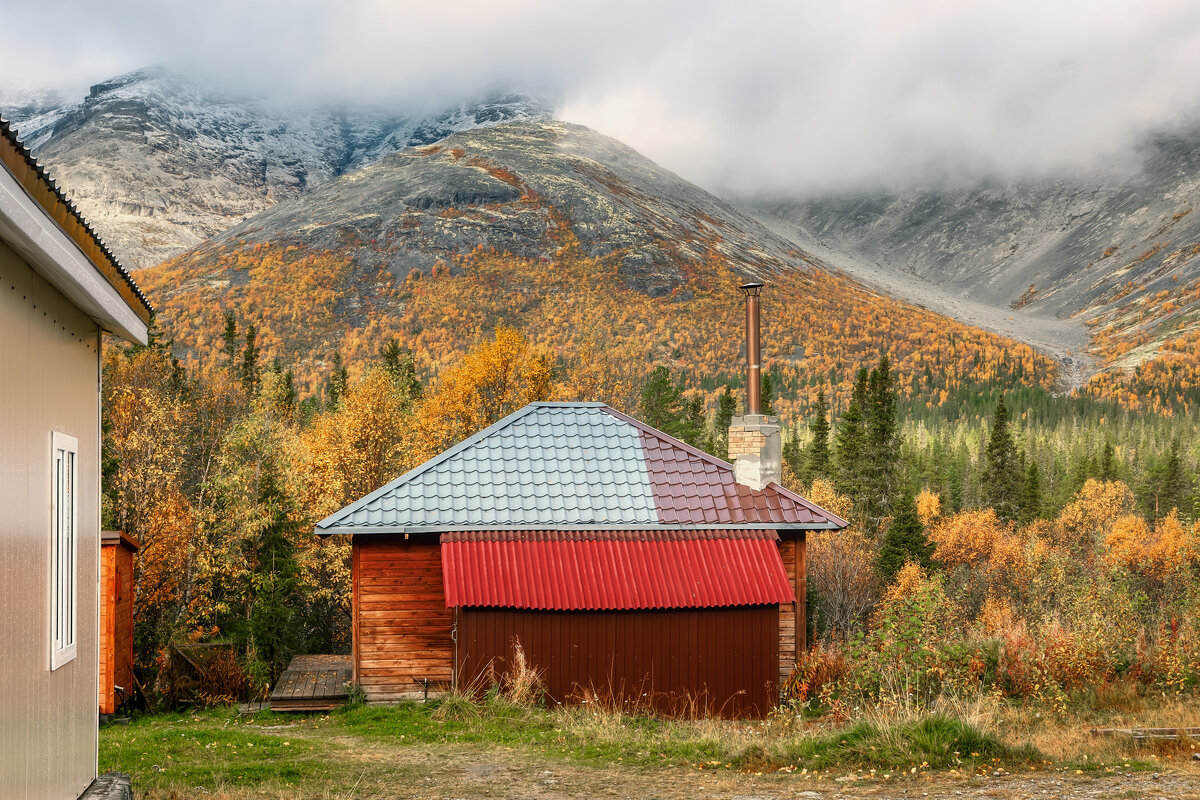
[(579, 241), (159, 163), (1118, 251)]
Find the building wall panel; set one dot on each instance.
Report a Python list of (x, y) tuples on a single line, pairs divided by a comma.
[(715, 661), (49, 380), (402, 628)]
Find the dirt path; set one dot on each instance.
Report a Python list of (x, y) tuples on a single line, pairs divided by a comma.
[(453, 772)]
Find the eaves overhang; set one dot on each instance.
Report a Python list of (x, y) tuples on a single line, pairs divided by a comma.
[(47, 230)]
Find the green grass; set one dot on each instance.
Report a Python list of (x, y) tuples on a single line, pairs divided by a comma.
[(170, 755), (216, 749), (934, 742)]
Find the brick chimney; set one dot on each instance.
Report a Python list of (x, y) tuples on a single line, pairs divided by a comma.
[(755, 446)]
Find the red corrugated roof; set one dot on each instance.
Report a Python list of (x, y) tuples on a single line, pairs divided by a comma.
[(613, 570)]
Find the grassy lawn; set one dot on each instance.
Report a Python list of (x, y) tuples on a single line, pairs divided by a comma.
[(406, 749)]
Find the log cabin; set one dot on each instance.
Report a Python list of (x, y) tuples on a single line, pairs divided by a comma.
[(61, 289), (624, 562)]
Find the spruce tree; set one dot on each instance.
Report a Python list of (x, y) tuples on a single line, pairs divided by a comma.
[(882, 454), (400, 363), (1170, 484), (1001, 475), (248, 370), (817, 461), (274, 583), (726, 406), (231, 340), (692, 428), (339, 380), (793, 455), (1108, 463), (904, 540), (662, 402), (850, 442), (1031, 494), (767, 393)]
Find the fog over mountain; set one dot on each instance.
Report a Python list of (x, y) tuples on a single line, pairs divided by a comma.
[(789, 99)]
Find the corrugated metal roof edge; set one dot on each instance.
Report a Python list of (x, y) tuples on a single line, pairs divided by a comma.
[(327, 525), (143, 309), (836, 522), (346, 530)]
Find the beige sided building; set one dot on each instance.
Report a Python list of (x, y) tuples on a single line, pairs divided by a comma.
[(60, 289)]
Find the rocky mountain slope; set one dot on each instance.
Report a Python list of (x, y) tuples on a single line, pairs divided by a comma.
[(159, 163), (1118, 251), (508, 188), (568, 235)]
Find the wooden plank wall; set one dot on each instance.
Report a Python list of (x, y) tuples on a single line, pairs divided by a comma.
[(719, 661), (123, 621), (793, 622), (402, 628), (108, 583)]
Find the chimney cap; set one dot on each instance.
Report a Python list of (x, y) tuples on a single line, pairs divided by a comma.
[(750, 289)]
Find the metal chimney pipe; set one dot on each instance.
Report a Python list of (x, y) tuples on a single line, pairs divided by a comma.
[(753, 349)]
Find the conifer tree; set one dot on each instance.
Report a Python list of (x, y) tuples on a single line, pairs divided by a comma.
[(662, 402), (1031, 494), (231, 341), (882, 451), (903, 541), (271, 595), (248, 370), (850, 441), (726, 406), (793, 455), (1001, 475), (400, 363), (1108, 463), (1169, 484), (766, 395), (692, 428), (817, 461), (339, 379)]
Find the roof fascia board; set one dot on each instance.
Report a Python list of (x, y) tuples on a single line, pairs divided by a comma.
[(26, 228), (326, 525), (346, 530)]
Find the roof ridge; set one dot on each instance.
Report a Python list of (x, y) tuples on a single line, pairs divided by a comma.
[(441, 457)]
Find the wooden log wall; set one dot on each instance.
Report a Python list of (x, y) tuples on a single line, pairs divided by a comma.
[(402, 628)]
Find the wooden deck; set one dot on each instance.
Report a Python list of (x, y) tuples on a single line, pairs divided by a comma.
[(313, 683)]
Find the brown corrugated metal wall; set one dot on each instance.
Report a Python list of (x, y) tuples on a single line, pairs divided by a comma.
[(715, 661)]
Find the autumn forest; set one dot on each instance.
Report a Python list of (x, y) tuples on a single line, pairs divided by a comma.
[(1007, 536)]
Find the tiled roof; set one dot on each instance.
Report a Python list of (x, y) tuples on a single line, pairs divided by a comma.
[(613, 570), (572, 465), (694, 488), (17, 158)]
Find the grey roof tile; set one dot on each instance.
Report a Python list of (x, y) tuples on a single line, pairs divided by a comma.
[(547, 464)]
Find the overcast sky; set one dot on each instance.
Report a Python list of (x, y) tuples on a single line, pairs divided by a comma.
[(791, 98)]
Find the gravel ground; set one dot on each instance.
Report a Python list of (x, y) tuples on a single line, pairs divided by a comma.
[(459, 773)]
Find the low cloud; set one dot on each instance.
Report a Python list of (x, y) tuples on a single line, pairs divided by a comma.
[(779, 98)]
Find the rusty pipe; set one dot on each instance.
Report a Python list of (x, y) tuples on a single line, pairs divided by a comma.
[(753, 349)]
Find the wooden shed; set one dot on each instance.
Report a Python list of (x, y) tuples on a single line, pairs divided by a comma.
[(624, 562), (116, 619)]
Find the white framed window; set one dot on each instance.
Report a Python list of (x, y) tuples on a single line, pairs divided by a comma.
[(64, 548)]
